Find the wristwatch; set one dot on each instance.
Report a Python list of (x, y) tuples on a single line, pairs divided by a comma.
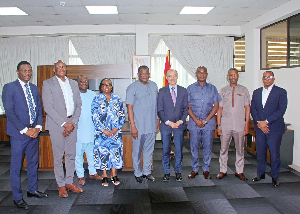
[(218, 125), (205, 121)]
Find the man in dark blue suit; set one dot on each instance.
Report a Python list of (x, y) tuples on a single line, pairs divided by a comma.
[(172, 108), (22, 104), (268, 106)]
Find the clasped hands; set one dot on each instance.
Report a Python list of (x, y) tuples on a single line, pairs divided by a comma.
[(200, 123), (263, 126), (108, 133), (174, 125), (33, 132), (69, 127)]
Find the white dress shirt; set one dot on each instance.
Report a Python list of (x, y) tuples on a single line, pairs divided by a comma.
[(265, 94), (68, 95), (23, 131)]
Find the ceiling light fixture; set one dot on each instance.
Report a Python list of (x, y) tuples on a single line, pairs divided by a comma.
[(102, 9), (195, 10), (11, 11)]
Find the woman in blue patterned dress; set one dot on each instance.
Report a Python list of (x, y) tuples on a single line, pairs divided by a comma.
[(108, 116)]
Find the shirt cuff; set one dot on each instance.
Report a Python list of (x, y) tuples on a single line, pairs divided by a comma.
[(167, 122), (23, 131), (181, 121), (39, 127), (63, 124)]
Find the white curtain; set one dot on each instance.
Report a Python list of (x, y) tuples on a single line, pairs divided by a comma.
[(35, 50), (215, 53), (152, 43), (158, 59), (95, 50)]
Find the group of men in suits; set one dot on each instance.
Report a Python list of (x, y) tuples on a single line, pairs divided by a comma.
[(171, 105)]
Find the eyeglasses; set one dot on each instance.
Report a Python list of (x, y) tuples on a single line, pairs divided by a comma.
[(107, 85), (83, 81), (268, 77), (59, 67), (25, 71)]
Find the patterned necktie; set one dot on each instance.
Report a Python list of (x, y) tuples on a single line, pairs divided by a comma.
[(30, 103), (173, 95)]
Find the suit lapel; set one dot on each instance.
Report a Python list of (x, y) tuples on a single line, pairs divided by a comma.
[(169, 97), (57, 87), (21, 92), (271, 95)]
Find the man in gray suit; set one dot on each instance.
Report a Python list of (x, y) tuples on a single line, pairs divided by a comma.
[(62, 103)]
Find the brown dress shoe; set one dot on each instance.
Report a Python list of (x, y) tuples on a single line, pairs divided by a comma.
[(74, 188), (193, 174), (96, 177), (241, 176), (62, 192), (206, 175), (221, 175), (81, 181)]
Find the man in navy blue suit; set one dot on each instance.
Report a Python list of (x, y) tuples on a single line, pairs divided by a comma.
[(268, 106), (172, 108), (22, 104)]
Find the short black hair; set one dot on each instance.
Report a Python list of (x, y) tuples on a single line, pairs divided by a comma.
[(270, 72), (100, 89), (233, 69), (201, 67), (78, 77), (143, 67), (23, 63)]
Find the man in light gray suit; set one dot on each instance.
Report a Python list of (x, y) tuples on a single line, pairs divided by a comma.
[(62, 103)]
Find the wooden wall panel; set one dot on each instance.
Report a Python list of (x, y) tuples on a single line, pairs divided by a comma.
[(3, 135)]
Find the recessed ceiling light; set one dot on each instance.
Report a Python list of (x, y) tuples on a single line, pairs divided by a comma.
[(11, 11), (102, 9), (195, 10)]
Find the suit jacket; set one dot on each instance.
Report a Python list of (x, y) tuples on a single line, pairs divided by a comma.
[(166, 109), (16, 108), (54, 104), (273, 111)]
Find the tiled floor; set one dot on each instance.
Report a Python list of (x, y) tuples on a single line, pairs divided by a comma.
[(229, 195)]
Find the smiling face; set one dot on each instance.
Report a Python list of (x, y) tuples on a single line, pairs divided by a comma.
[(172, 77), (60, 69), (233, 77), (24, 73), (106, 86), (144, 75), (83, 84), (201, 75)]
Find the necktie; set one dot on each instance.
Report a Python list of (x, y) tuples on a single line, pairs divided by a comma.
[(173, 95), (30, 103)]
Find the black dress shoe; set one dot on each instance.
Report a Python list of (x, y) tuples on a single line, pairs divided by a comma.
[(166, 177), (149, 177), (139, 179), (37, 194), (178, 177), (258, 177), (21, 204), (275, 182)]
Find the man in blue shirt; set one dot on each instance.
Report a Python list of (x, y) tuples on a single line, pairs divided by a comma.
[(203, 99), (85, 133)]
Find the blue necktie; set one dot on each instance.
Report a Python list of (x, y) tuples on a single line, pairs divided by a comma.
[(31, 107)]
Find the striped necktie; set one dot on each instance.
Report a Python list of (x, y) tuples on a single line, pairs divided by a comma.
[(30, 103)]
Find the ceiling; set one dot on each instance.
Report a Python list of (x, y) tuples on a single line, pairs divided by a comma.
[(151, 12)]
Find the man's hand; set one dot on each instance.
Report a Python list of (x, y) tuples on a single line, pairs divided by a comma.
[(107, 133), (157, 126), (263, 126), (134, 132), (219, 131), (30, 132), (200, 123), (173, 125), (36, 132), (69, 127), (246, 129)]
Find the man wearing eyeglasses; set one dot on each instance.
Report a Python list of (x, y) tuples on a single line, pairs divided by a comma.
[(268, 106), (22, 104), (62, 103)]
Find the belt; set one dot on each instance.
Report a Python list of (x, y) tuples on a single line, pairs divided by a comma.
[(69, 116)]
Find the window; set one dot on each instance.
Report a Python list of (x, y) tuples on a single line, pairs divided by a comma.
[(158, 60), (280, 44), (74, 59), (239, 53)]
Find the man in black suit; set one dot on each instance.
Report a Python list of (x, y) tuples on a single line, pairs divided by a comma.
[(172, 108), (268, 106), (22, 104)]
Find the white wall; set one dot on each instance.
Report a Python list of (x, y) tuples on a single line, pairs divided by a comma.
[(286, 78)]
